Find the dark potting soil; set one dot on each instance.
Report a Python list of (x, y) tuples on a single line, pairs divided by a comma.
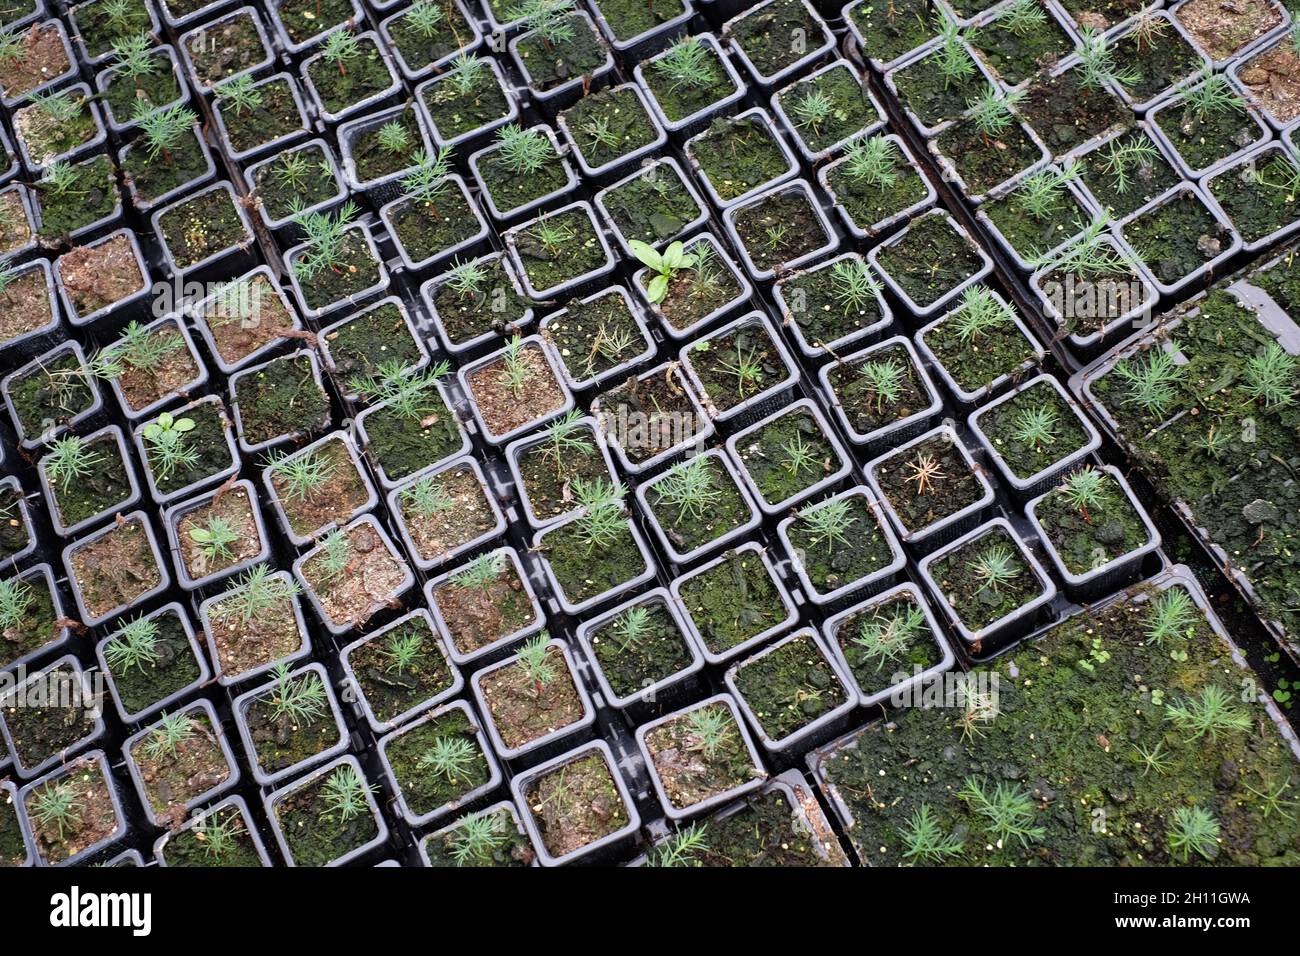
[(405, 445), (780, 227), (596, 336), (974, 363), (1257, 197), (505, 407), (244, 645), (157, 176), (184, 772), (548, 472), (315, 832), (1282, 282), (373, 161), (97, 31), (116, 568), (985, 161), (929, 260), (976, 604), (1161, 60), (57, 390), (1030, 234), (878, 643), (195, 846), (177, 9), (95, 816), (156, 89), (630, 18), (419, 50), (1102, 13), (657, 652), (549, 268), (38, 625), (304, 19), (392, 687), (679, 100), (931, 97), (202, 227), (1203, 139), (822, 317), (789, 687), (832, 563), (764, 35), (281, 398), (278, 115), (455, 113), (492, 306), (1065, 113), (510, 188), (342, 87), (438, 530), (229, 46), (281, 195), (41, 724), (576, 804), (13, 847), (427, 229), (966, 9), (524, 708), (1177, 237), (948, 485), (737, 366), (1087, 539), (659, 414), (653, 207), (1026, 459), (733, 602), (284, 740), (1078, 684), (476, 617), (207, 439), (14, 534), (689, 531), (774, 471), (374, 338), (549, 65), (584, 572), (423, 786), (47, 136), (765, 831), (356, 272), (173, 669), (868, 410), (738, 156), (692, 768), (11, 10), (26, 305), (699, 292), (851, 108), (92, 199), (869, 204), (891, 29), (237, 511), (105, 485), (609, 124), (371, 579), (1015, 57), (508, 846), (42, 59)]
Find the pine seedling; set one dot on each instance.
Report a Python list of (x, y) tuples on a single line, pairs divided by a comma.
[(393, 137), (1211, 713), (165, 740), (1172, 614), (1272, 800), (535, 659), (135, 645), (169, 446), (59, 109), (301, 476), (257, 591), (345, 794), (242, 93), (142, 347), (449, 757), (955, 64), (853, 286), (665, 266), (324, 242), (428, 497), (631, 628), (1008, 812), (1212, 95), (1097, 63), (925, 842), (122, 15), (813, 109), (427, 183), (991, 111), (980, 312), (1193, 830), (599, 134), (1215, 442), (549, 18), (679, 849), (481, 573), (996, 568), (340, 49), (516, 370), (567, 436), (1152, 381), (61, 180), (873, 162), (402, 651), (426, 18), (466, 72), (16, 598), (776, 236), (688, 63), (476, 838), (552, 235), (301, 700), (1154, 758), (925, 471), (134, 57), (887, 637), (799, 456), (1039, 196), (1122, 160), (1272, 378), (164, 130), (828, 523), (335, 556), (12, 47), (711, 727), (1085, 491), (601, 522), (219, 837), (214, 539), (466, 279), (412, 395), (1023, 17), (71, 459), (690, 488), (1036, 427), (522, 151), (884, 379), (746, 368), (57, 805)]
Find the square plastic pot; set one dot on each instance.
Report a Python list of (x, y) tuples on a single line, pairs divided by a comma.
[(87, 701), (244, 677), (363, 106), (814, 156), (897, 691), (120, 824), (173, 516), (1205, 271), (350, 301), (534, 342), (569, 287), (610, 425), (270, 802), (575, 608), (290, 46), (552, 742), (23, 518), (451, 253), (505, 805), (624, 161), (35, 339), (414, 73), (159, 498), (385, 480), (641, 278), (884, 225), (737, 441), (757, 405), (656, 36), (275, 145), (148, 205), (222, 743), (164, 569), (290, 437), (614, 373), (37, 164), (1160, 16), (9, 796), (414, 556), (790, 304), (120, 124), (385, 187), (687, 126), (719, 799), (244, 701), (952, 175), (171, 700), (760, 117), (200, 819), (361, 702), (55, 428), (1242, 53), (287, 222), (1172, 105), (534, 205), (179, 20), (602, 848), (1249, 162), (520, 446), (564, 92), (345, 627), (817, 47), (61, 635), (1083, 202), (129, 305), (498, 647), (240, 248), (462, 140), (1009, 627), (652, 168), (948, 297), (195, 384), (901, 430), (196, 311), (200, 34), (971, 397), (917, 56), (428, 292), (48, 86), (110, 433), (339, 379), (733, 536), (731, 213)]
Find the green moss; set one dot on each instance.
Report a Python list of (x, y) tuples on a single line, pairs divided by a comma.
[(851, 108), (92, 199), (821, 316), (511, 189), (657, 653), (1066, 114), (277, 116), (780, 227), (1032, 235), (789, 687), (282, 741), (930, 260), (455, 113), (764, 831), (738, 155), (1027, 457), (835, 563), (107, 484), (985, 161), (423, 788), (1161, 60), (364, 76), (200, 228), (653, 207), (1205, 139), (630, 18), (1258, 198), (157, 89), (608, 125), (978, 601), (53, 392), (392, 690), (584, 572), (734, 601), (1177, 237), (404, 445), (891, 28), (931, 97), (550, 65), (974, 363), (1141, 183), (787, 455), (157, 176), (418, 50), (281, 398)]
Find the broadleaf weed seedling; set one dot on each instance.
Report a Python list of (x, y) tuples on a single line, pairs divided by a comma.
[(665, 266), (169, 446)]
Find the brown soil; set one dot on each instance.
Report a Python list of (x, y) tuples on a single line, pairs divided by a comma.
[(99, 275), (15, 230), (687, 773), (335, 501), (1274, 79), (365, 586), (143, 387), (443, 531), (524, 710), (171, 782), (473, 617), (1222, 27), (234, 507), (115, 569), (96, 815), (25, 305), (577, 804), (236, 336), (502, 410), (43, 59), (242, 646)]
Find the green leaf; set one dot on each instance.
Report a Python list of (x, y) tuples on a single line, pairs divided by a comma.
[(183, 424), (646, 254), (657, 289), (674, 257)]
